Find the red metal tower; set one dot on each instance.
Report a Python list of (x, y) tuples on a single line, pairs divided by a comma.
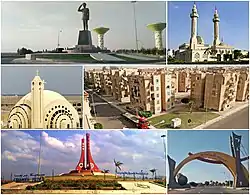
[(90, 164)]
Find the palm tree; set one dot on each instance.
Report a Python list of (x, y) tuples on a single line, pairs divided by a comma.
[(117, 165), (105, 171), (153, 171)]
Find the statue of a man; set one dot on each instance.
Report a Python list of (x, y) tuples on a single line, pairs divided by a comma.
[(85, 15)]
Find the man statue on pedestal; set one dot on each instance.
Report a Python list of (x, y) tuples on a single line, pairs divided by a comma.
[(85, 15)]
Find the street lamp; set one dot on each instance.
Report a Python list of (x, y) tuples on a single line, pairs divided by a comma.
[(93, 104), (136, 41), (39, 159), (58, 38), (164, 144)]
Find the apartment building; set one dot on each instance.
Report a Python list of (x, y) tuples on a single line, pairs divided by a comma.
[(243, 87), (105, 82), (93, 77), (151, 92), (220, 90), (183, 81), (120, 84), (198, 88)]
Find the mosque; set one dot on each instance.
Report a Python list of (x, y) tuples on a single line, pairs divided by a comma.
[(43, 109), (197, 51)]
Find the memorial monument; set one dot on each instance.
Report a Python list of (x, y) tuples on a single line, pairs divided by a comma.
[(84, 43)]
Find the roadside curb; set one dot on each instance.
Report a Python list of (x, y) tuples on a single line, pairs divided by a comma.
[(210, 122)]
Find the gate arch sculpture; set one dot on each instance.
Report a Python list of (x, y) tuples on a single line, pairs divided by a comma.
[(232, 163)]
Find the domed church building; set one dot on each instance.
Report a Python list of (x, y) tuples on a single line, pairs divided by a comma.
[(43, 109)]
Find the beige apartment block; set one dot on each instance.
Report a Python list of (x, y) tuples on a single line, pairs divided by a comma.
[(174, 82), (168, 93), (120, 85), (105, 82), (94, 78), (243, 87), (198, 88), (220, 90), (145, 92), (183, 81)]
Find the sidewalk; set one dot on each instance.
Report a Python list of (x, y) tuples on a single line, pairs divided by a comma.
[(224, 114)]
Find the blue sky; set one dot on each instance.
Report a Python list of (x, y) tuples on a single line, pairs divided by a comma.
[(64, 80), (138, 150), (181, 142), (234, 22), (36, 25)]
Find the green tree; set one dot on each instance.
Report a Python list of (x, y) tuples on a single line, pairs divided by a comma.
[(190, 106), (237, 54), (104, 173), (98, 126), (117, 165)]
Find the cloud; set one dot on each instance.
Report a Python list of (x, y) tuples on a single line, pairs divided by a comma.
[(137, 150)]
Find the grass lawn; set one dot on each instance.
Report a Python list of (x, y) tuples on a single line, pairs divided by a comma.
[(85, 57), (196, 117)]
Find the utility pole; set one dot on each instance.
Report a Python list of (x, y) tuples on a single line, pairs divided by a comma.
[(39, 159), (136, 40)]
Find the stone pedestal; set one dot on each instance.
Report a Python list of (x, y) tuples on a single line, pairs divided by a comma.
[(84, 38), (84, 44)]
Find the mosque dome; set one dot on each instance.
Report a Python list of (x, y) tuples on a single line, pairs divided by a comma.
[(199, 40), (56, 112)]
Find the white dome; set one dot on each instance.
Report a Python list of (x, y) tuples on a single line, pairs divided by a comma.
[(54, 105)]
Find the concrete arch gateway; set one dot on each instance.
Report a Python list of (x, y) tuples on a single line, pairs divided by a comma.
[(232, 162), (225, 159)]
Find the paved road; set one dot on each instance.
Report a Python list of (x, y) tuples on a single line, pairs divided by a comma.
[(109, 116), (210, 190), (238, 120)]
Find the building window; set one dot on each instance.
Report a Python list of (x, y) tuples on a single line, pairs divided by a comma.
[(79, 104), (197, 78), (193, 85), (157, 95), (168, 87), (158, 102), (213, 93), (214, 85), (157, 88), (157, 80), (168, 93), (168, 100)]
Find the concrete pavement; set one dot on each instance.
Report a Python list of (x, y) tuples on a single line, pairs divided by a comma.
[(105, 57), (210, 190), (236, 118)]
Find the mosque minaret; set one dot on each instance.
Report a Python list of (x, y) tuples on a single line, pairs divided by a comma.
[(197, 50), (216, 21), (194, 18)]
